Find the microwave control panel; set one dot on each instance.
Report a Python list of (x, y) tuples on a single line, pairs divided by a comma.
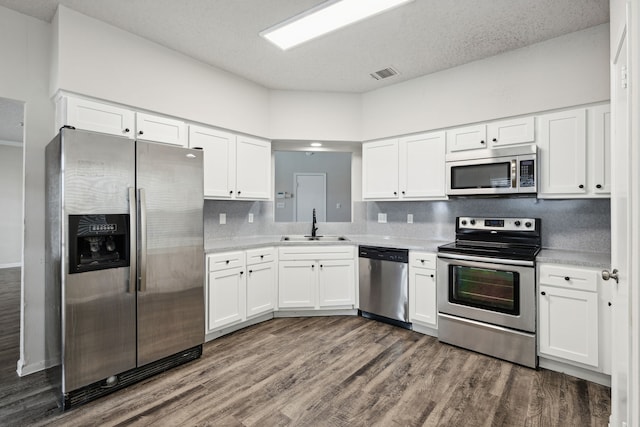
[(527, 173)]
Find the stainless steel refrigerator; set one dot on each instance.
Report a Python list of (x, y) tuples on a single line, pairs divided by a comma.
[(124, 263)]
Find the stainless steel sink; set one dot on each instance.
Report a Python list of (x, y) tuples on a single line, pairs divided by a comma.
[(299, 238)]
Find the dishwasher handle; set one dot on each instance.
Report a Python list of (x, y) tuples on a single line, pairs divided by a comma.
[(384, 254)]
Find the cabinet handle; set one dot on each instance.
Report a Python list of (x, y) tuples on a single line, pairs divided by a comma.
[(581, 186), (431, 275), (126, 130), (482, 142), (231, 192), (261, 256), (238, 192), (241, 273), (140, 133), (403, 192), (567, 278), (495, 139), (598, 186), (250, 271), (227, 261), (543, 293), (312, 265), (609, 304), (321, 265), (422, 261), (395, 193)]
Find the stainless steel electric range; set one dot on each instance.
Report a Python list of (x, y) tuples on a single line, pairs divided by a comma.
[(487, 287)]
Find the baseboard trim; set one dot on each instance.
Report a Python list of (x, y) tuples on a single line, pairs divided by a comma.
[(11, 265)]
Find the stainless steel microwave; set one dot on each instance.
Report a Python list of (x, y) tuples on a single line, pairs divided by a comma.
[(493, 172)]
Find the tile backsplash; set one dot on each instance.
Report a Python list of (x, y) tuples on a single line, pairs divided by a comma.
[(581, 224)]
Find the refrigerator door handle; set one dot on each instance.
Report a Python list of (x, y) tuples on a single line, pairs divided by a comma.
[(143, 240), (132, 241)]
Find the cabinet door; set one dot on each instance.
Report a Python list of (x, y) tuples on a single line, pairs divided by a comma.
[(380, 169), (261, 288), (422, 166), (569, 324), (562, 143), (336, 282), (253, 168), (219, 154), (98, 117), (161, 129), (467, 138), (422, 296), (507, 132), (297, 284), (600, 149), (226, 297)]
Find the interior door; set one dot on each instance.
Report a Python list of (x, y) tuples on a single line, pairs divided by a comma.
[(620, 236), (170, 250), (311, 193)]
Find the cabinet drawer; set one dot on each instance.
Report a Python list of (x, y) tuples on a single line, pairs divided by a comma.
[(422, 260), (316, 252), (257, 256), (225, 260), (569, 277)]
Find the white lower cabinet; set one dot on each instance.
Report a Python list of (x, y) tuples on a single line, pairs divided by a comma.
[(226, 290), (261, 281), (239, 286), (423, 308), (316, 277), (573, 317)]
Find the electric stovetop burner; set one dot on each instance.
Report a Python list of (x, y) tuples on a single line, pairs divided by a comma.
[(509, 238)]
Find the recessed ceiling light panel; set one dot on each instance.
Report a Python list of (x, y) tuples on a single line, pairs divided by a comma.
[(325, 18)]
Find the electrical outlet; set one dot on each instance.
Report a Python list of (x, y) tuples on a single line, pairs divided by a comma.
[(250, 217), (382, 218), (223, 218), (409, 218)]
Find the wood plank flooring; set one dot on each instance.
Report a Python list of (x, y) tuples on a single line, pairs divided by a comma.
[(325, 371)]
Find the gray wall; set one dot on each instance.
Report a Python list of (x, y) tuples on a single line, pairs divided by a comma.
[(11, 202), (583, 225), (337, 166)]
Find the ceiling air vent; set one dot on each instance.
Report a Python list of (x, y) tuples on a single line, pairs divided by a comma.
[(384, 73)]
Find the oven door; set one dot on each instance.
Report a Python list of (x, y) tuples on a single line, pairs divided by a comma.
[(487, 290)]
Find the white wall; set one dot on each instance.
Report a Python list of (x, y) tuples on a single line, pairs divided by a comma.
[(561, 72), (298, 115), (99, 60), (11, 202), (24, 76)]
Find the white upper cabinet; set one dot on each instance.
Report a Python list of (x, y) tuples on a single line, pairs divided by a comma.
[(95, 116), (599, 141), (574, 157), (253, 168), (380, 169), (562, 140), (422, 166), (235, 167), (509, 132), (161, 129), (467, 138), (409, 168), (219, 154)]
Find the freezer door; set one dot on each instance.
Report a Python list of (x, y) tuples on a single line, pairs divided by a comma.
[(98, 307), (171, 250)]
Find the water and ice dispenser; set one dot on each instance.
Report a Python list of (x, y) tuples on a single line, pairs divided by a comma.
[(98, 242)]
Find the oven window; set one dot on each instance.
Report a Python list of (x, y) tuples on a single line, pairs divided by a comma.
[(488, 175), (495, 290)]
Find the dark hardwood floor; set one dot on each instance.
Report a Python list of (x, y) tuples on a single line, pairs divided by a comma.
[(319, 371)]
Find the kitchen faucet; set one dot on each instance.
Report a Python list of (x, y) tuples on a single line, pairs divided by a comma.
[(313, 224)]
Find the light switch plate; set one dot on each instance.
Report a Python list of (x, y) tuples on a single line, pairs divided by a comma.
[(409, 218), (223, 218), (250, 217), (382, 218)]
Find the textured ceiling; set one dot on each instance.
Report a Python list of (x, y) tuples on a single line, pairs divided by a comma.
[(11, 117), (419, 38)]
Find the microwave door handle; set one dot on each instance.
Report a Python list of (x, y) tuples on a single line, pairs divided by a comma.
[(514, 166)]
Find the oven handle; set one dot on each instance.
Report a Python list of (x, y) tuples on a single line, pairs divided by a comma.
[(485, 259)]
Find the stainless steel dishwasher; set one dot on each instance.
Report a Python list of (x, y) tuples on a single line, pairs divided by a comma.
[(384, 284)]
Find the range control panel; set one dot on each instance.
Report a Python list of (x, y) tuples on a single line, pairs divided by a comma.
[(497, 224)]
